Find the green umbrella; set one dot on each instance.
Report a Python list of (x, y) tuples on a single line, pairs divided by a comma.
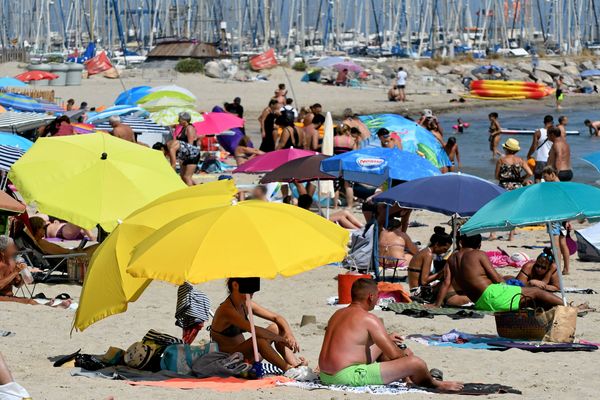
[(543, 203)]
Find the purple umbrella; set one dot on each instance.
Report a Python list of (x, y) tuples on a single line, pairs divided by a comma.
[(349, 65)]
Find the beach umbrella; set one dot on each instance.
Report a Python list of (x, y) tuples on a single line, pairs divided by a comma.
[(19, 102), (12, 121), (164, 103), (131, 96), (414, 137), (590, 73), (83, 129), (303, 169), (326, 62), (269, 161), (349, 65), (92, 179), (8, 156), (117, 110), (326, 189), (108, 288), (170, 116), (374, 165), (169, 92), (484, 69), (16, 141), (36, 76), (217, 122), (199, 246), (593, 159), (449, 194), (542, 203), (137, 124), (49, 107), (7, 81)]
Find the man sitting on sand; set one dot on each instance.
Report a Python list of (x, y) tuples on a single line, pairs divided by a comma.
[(10, 272), (358, 351), (486, 288)]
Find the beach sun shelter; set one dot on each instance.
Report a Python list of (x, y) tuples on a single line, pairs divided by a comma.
[(548, 203), (108, 288), (92, 179)]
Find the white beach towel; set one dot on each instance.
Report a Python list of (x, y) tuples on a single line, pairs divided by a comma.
[(391, 389), (13, 391)]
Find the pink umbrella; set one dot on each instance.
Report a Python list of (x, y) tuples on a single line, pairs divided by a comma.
[(217, 122), (269, 161), (349, 65)]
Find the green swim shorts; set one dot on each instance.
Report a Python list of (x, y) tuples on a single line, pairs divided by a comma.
[(355, 375), (498, 297)]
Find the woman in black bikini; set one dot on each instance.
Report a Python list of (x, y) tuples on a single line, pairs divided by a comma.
[(289, 135), (541, 273), (276, 343)]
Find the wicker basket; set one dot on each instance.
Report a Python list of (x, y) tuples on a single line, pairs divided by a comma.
[(527, 324)]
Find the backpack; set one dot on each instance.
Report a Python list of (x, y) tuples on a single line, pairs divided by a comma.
[(289, 115), (360, 255)]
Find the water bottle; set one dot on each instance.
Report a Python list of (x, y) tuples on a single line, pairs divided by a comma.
[(25, 273)]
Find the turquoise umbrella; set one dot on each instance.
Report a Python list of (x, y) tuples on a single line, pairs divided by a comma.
[(543, 203), (7, 81)]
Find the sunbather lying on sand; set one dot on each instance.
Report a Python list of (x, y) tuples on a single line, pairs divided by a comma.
[(276, 343), (541, 273), (486, 288), (358, 351)]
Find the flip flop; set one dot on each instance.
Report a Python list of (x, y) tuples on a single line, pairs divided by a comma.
[(65, 359)]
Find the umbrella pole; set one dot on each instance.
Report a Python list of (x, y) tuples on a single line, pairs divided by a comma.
[(252, 328), (319, 197), (454, 244), (558, 266)]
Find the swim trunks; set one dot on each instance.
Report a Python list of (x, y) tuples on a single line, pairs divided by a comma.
[(498, 297), (355, 375), (565, 175)]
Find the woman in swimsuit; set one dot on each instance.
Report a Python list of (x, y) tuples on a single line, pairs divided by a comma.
[(541, 273), (451, 149), (289, 135), (276, 343), (244, 152), (422, 270), (343, 143), (187, 154), (495, 131), (396, 245)]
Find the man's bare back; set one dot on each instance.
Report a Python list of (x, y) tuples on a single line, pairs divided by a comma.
[(124, 132), (475, 273), (561, 155)]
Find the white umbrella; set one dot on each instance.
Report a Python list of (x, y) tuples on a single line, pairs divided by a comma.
[(326, 188)]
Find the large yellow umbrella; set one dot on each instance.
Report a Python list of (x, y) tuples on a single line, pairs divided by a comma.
[(248, 239), (92, 179), (108, 288)]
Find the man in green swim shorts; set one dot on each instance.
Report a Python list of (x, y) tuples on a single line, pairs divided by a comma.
[(358, 351), (486, 288)]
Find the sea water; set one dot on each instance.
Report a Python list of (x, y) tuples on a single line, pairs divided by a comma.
[(474, 145)]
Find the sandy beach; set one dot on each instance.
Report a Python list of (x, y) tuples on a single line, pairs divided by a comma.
[(42, 332)]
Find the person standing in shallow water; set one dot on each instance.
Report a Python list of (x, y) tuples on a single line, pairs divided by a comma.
[(495, 130)]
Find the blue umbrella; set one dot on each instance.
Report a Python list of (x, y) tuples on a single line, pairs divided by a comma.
[(20, 102), (131, 96), (484, 69), (374, 165), (449, 194), (590, 72), (7, 81), (8, 139), (593, 159), (118, 110), (329, 61)]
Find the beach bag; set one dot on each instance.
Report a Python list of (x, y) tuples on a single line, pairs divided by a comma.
[(563, 324), (571, 244), (359, 256), (160, 339), (179, 358), (527, 323)]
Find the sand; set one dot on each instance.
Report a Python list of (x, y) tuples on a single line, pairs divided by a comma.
[(42, 332)]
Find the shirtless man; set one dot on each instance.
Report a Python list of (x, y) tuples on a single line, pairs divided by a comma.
[(450, 293), (560, 155), (486, 288), (563, 120), (121, 130), (310, 132), (351, 120), (594, 127), (358, 351), (280, 93), (394, 244), (388, 140), (394, 93)]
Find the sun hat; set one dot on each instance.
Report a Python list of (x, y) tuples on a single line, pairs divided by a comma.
[(427, 113), (511, 145), (138, 355)]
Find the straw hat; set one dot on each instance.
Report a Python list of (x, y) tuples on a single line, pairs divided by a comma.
[(511, 145), (138, 355)]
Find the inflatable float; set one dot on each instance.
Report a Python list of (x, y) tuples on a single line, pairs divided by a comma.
[(508, 90)]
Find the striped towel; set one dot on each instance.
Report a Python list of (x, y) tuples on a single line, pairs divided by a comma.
[(193, 306)]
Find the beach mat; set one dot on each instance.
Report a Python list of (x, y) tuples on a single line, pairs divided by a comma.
[(470, 389), (467, 340), (216, 384), (539, 347), (418, 310)]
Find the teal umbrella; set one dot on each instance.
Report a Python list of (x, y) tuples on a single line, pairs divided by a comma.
[(543, 203)]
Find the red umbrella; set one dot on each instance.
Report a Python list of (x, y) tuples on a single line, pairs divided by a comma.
[(217, 122), (35, 76)]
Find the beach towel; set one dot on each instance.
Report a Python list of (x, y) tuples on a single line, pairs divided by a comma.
[(417, 310), (461, 340), (539, 347), (393, 291), (216, 384), (580, 290), (499, 259), (13, 391), (473, 389)]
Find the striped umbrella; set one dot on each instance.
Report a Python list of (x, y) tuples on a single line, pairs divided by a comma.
[(117, 110), (137, 124), (8, 156), (82, 129), (12, 121), (20, 102)]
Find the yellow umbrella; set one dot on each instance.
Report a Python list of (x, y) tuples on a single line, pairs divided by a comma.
[(247, 239), (108, 288), (92, 179)]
